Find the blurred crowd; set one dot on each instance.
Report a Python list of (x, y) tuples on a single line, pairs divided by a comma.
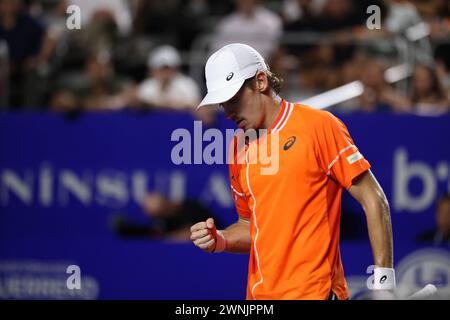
[(147, 54)]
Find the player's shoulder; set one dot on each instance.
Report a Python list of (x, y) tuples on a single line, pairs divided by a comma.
[(311, 116)]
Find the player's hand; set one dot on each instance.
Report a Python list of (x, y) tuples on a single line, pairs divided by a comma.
[(204, 235)]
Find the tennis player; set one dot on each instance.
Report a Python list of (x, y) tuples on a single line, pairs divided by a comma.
[(289, 221)]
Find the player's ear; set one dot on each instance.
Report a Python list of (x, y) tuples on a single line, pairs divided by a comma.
[(262, 83)]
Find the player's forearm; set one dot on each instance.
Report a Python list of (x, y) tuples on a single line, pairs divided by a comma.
[(238, 238), (380, 231)]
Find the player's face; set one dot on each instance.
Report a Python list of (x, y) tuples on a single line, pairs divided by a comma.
[(245, 109)]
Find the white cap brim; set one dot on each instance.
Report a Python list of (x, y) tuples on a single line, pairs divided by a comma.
[(220, 96)]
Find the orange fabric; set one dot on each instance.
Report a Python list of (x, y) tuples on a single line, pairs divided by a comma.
[(295, 213)]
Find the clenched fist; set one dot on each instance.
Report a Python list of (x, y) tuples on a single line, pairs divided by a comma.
[(204, 235)]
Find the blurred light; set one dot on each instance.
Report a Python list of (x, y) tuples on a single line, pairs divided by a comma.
[(397, 73), (335, 96)]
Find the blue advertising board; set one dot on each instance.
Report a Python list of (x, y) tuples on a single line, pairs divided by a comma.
[(62, 181)]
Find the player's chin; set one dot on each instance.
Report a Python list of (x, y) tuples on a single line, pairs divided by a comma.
[(245, 126), (242, 124)]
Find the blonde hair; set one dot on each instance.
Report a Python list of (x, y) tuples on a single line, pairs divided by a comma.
[(275, 82)]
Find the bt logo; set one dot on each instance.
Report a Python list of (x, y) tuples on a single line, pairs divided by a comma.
[(406, 170)]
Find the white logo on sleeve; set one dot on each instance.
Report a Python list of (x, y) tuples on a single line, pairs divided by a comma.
[(354, 157)]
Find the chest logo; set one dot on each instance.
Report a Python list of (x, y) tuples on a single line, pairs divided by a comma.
[(289, 143)]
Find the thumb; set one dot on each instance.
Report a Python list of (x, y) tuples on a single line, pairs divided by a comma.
[(210, 223)]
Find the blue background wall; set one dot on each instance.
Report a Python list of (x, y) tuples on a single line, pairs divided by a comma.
[(110, 160)]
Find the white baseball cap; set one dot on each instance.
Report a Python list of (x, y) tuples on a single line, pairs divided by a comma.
[(164, 56), (227, 69)]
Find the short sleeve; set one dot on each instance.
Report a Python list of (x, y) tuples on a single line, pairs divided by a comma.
[(338, 155)]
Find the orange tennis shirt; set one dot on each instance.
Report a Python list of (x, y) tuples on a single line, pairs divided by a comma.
[(295, 212)]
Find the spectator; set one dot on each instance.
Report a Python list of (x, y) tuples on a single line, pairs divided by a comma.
[(251, 23), (174, 21), (440, 19), (441, 234), (339, 20), (401, 15), (316, 71), (301, 15), (167, 87), (119, 10), (24, 36), (440, 33), (99, 33), (404, 21), (53, 16), (428, 97), (377, 95), (158, 19), (97, 88), (338, 15)]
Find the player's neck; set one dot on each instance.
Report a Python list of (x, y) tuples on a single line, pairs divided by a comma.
[(272, 110)]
